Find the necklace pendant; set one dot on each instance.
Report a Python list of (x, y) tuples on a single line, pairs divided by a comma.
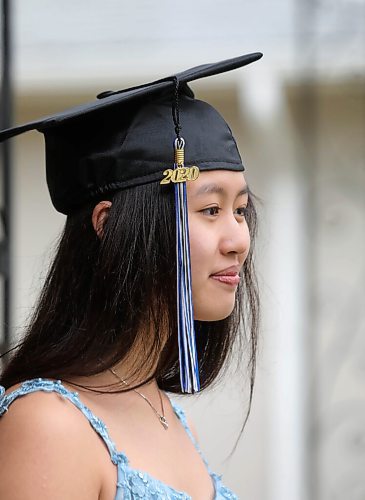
[(164, 422)]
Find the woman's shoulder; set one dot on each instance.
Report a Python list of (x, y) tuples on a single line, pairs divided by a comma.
[(35, 401), (29, 401), (43, 441), (40, 408)]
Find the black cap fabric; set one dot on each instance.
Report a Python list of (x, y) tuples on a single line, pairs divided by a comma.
[(126, 138)]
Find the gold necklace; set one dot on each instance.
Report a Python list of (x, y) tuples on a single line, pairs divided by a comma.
[(161, 418)]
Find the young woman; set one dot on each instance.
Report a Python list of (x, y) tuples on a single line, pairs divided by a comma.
[(108, 338)]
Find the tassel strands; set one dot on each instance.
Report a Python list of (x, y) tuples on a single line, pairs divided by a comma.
[(189, 369)]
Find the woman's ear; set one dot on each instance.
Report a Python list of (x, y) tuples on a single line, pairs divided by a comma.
[(99, 216)]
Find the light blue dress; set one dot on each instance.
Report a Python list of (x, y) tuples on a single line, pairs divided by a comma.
[(132, 484)]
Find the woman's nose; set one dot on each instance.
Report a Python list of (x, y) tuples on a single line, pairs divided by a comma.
[(235, 238)]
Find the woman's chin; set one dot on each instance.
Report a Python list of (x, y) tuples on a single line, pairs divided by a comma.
[(216, 314)]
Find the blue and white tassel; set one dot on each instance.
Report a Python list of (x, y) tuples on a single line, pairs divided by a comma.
[(189, 369)]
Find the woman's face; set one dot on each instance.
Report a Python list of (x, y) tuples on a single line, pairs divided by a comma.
[(219, 240)]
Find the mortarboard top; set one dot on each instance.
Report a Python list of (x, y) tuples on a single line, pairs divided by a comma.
[(125, 138)]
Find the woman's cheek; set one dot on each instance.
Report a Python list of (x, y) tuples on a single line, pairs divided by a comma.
[(200, 242)]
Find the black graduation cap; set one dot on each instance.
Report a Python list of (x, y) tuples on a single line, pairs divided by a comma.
[(132, 137), (126, 137)]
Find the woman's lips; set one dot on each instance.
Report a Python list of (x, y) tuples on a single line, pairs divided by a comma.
[(229, 276), (228, 279)]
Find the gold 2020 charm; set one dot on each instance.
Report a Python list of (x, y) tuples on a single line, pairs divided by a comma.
[(180, 174)]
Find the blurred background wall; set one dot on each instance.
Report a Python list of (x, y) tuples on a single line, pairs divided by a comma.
[(299, 117)]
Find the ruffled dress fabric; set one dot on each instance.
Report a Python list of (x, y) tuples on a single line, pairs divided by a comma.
[(132, 484)]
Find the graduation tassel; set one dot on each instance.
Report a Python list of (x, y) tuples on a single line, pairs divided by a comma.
[(189, 369), (179, 175)]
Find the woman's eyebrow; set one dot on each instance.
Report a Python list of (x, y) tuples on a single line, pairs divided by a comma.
[(210, 188), (243, 191), (215, 188)]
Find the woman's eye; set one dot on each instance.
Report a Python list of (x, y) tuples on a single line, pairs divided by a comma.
[(211, 211), (241, 211)]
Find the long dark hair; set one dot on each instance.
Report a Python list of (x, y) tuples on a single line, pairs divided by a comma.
[(101, 293)]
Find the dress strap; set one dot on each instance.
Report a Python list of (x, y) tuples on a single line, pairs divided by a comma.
[(182, 417), (46, 385)]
